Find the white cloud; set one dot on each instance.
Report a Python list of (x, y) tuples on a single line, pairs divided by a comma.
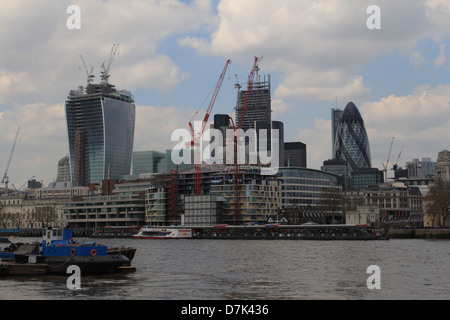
[(155, 124), (39, 52), (318, 142), (420, 122), (318, 46), (440, 60), (41, 142), (417, 60)]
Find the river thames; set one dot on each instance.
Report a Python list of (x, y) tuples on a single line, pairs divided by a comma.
[(409, 269)]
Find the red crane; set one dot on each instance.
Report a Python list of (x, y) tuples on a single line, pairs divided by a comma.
[(237, 214), (195, 139)]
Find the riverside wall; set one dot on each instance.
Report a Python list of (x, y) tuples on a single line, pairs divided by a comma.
[(419, 233)]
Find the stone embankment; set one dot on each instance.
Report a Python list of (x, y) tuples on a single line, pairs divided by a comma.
[(426, 233)]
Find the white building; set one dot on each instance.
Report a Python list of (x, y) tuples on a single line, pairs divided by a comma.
[(369, 215)]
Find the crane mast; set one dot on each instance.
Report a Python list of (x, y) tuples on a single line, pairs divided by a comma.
[(237, 130), (195, 139), (385, 166), (90, 76), (5, 179), (105, 69)]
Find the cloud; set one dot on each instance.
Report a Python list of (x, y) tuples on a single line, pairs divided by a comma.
[(40, 58), (440, 60), (318, 47), (41, 142), (417, 60), (155, 124), (318, 142), (420, 121)]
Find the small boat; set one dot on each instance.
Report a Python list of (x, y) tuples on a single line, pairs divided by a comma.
[(151, 232), (6, 249), (59, 251)]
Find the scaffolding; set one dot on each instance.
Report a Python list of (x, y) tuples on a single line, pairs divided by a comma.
[(259, 104)]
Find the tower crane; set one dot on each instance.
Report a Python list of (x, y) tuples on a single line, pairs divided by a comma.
[(237, 130), (395, 166), (195, 138), (385, 165), (5, 179), (105, 69), (90, 76)]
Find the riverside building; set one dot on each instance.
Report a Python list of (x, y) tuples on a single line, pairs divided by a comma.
[(100, 126)]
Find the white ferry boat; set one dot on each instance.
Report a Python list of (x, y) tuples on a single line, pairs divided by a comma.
[(150, 232)]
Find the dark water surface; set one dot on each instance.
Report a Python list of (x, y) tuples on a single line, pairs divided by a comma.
[(256, 269)]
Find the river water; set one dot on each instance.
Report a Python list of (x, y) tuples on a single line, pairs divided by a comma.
[(257, 269)]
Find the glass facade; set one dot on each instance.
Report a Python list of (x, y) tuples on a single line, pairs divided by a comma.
[(352, 142), (100, 125), (310, 190)]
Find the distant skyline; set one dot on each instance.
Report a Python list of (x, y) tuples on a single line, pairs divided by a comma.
[(320, 55)]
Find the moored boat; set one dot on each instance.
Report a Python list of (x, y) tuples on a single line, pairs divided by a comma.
[(59, 251), (6, 249), (151, 232)]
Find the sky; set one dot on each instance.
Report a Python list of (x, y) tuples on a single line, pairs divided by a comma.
[(320, 55)]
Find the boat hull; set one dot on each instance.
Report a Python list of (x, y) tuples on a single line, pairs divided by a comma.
[(88, 265)]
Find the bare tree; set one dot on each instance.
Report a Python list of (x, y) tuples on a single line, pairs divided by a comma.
[(437, 202)]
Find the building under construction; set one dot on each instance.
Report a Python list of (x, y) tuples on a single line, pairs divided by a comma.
[(172, 199), (100, 126), (259, 103)]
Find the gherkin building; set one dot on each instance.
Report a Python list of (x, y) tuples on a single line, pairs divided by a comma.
[(352, 142)]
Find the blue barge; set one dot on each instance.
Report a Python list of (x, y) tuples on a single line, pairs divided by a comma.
[(58, 251)]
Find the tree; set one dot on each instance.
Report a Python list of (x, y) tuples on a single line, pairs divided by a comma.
[(45, 215), (437, 202), (331, 201)]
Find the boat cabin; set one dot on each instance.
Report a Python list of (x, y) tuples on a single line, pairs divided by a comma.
[(59, 242), (57, 234)]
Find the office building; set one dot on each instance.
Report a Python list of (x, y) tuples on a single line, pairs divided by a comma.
[(311, 191), (352, 142), (336, 115), (339, 168), (294, 154), (442, 169), (147, 162), (423, 168), (100, 126), (63, 174), (362, 178)]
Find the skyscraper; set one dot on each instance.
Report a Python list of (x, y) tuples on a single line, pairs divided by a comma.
[(259, 104), (336, 115), (100, 126), (352, 142)]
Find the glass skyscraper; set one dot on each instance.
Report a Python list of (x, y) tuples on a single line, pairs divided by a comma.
[(352, 142), (100, 125)]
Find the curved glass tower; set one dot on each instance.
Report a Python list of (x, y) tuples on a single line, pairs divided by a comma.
[(352, 142), (100, 125)]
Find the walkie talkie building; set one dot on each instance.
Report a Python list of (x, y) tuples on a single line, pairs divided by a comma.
[(100, 125), (352, 142)]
